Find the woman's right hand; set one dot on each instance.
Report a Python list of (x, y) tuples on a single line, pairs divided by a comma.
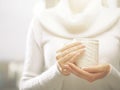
[(69, 54)]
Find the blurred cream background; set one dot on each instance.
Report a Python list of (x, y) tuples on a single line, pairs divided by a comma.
[(15, 17)]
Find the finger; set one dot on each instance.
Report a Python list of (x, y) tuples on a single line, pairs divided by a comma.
[(98, 68), (73, 49), (76, 48), (69, 46), (96, 76), (70, 56), (79, 72), (99, 75), (64, 70), (85, 75), (66, 57), (76, 56), (88, 76), (93, 69)]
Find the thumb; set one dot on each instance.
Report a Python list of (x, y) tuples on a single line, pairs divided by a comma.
[(94, 69)]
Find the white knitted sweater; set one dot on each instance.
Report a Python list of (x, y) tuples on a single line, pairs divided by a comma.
[(52, 27)]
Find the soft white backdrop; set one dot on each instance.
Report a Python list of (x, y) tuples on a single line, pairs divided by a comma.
[(15, 16)]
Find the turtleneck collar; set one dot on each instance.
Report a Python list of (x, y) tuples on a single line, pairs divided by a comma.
[(94, 20)]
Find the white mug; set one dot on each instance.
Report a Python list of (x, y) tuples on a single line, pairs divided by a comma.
[(90, 56)]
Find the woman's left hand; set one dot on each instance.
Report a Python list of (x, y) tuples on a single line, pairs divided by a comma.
[(92, 73)]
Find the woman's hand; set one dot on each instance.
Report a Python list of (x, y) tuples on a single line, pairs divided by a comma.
[(69, 53), (66, 58), (92, 73)]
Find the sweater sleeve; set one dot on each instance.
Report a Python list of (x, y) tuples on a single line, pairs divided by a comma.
[(113, 78), (34, 77)]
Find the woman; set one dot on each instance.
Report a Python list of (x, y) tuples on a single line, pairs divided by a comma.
[(50, 65)]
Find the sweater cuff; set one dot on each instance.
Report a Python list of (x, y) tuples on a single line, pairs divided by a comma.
[(57, 71), (52, 77), (113, 78)]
